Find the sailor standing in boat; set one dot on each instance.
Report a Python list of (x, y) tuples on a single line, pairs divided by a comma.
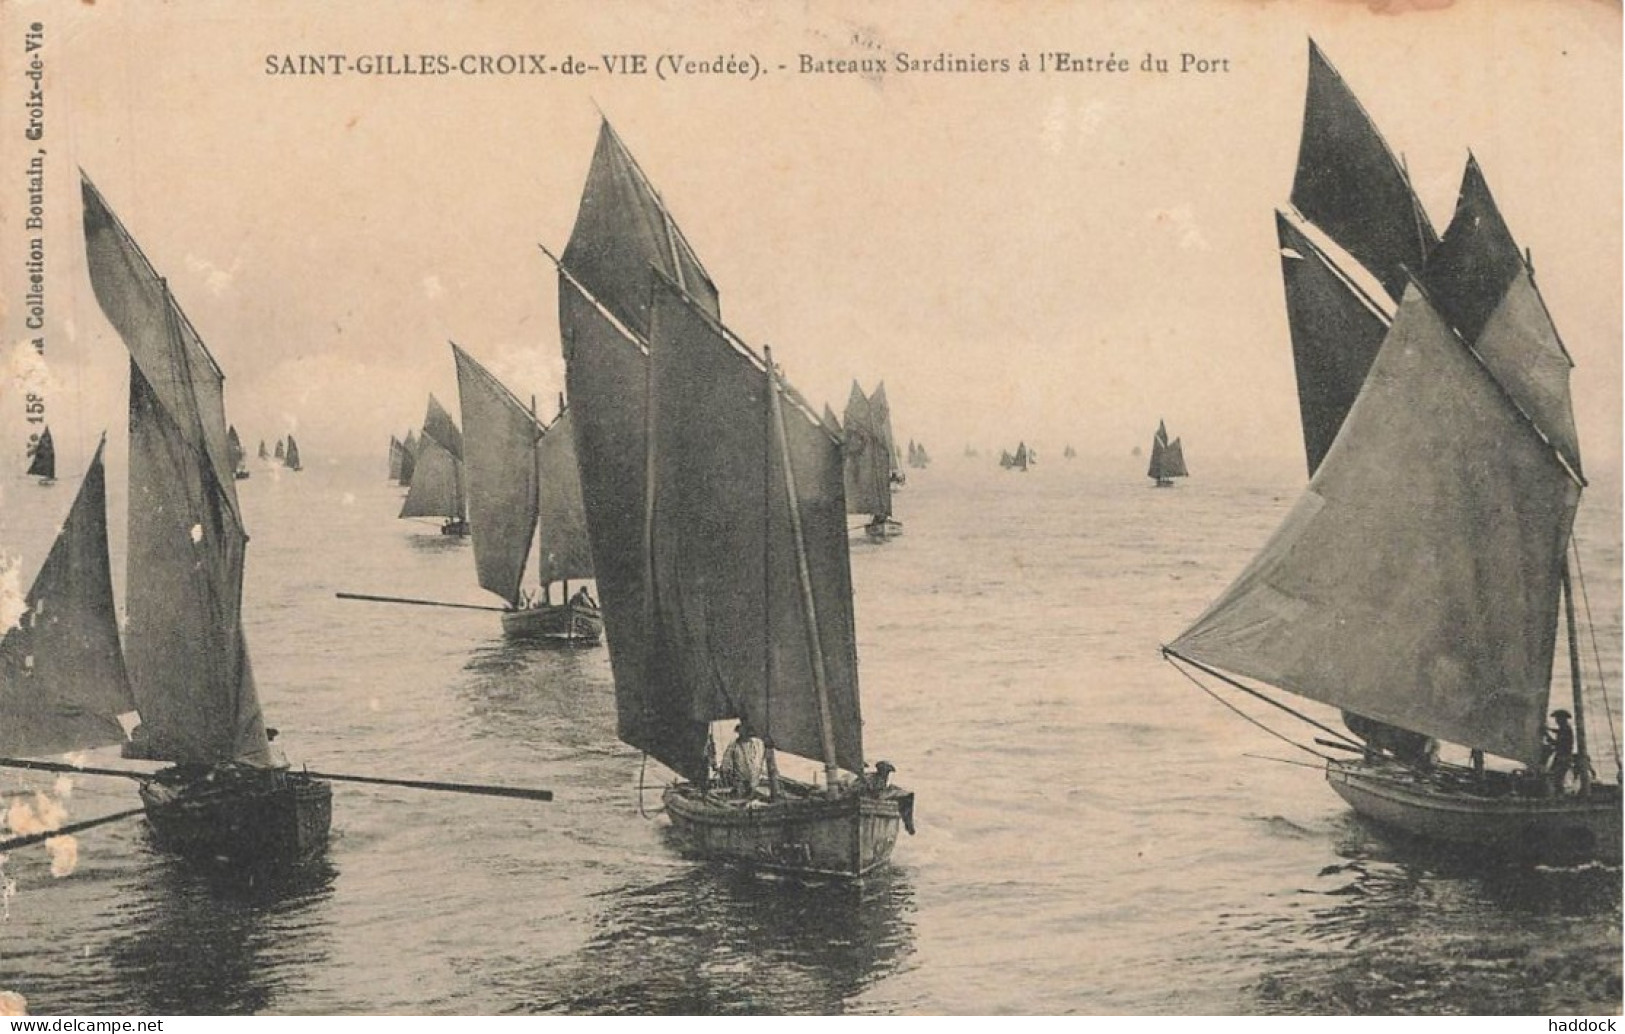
[(742, 763), (1560, 742)]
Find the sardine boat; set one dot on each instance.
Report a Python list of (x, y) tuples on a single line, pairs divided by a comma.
[(717, 518), (1417, 584)]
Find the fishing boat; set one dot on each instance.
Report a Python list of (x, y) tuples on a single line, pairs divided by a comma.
[(409, 458), (867, 462), (227, 794), (1167, 459), (716, 516), (42, 459), (290, 459), (523, 488), (397, 453), (235, 455), (1069, 453), (1419, 582), (1018, 460), (437, 474), (281, 451), (918, 458), (263, 454)]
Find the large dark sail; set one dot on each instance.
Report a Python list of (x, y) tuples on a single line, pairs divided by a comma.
[(622, 231), (499, 443), (725, 551), (1336, 332), (1350, 184), (62, 678), (187, 658), (867, 468), (1476, 261)]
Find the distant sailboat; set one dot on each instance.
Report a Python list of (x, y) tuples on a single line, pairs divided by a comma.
[(1069, 453), (437, 475), (291, 458), (523, 486), (1167, 458), (397, 453), (42, 459), (263, 454), (918, 458), (867, 465), (281, 451), (1018, 460), (225, 794), (409, 458), (683, 436), (1464, 404), (235, 454)]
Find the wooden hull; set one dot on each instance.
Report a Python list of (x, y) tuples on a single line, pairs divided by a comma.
[(239, 815), (845, 836), (566, 624), (882, 528), (458, 528), (1163, 483), (1554, 828)]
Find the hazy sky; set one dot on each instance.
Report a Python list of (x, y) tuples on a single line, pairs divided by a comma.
[(1056, 257)]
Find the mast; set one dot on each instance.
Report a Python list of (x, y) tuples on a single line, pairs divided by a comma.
[(826, 726), (536, 500), (1582, 760)]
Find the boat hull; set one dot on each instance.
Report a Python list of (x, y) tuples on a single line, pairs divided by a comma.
[(1564, 827), (882, 528), (239, 815), (458, 528), (566, 624), (845, 836)]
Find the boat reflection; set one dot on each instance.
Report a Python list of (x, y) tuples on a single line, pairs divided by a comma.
[(723, 940), (203, 941)]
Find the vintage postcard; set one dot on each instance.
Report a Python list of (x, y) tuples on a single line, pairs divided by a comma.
[(1034, 508)]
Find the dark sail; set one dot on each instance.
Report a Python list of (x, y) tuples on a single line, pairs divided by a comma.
[(234, 449), (725, 559), (867, 466), (622, 228), (397, 453), (500, 470), (438, 425), (1336, 332), (563, 550), (187, 658), (607, 374), (42, 462), (292, 457), (1475, 262), (280, 451), (62, 678), (1350, 184)]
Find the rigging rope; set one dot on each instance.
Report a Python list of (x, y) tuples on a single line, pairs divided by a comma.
[(1596, 652), (1278, 735)]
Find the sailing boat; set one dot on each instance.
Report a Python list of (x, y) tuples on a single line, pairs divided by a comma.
[(1387, 592), (290, 459), (1167, 458), (688, 504), (522, 483), (235, 455), (397, 453), (263, 453), (225, 795), (1017, 460), (867, 465), (437, 473), (62, 676), (918, 458), (409, 458), (42, 459), (1069, 453)]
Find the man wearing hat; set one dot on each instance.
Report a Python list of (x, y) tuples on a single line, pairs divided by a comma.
[(742, 763), (1560, 741)]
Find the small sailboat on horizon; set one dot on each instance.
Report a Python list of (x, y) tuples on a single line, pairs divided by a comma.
[(1167, 459), (235, 455), (869, 468), (437, 478)]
